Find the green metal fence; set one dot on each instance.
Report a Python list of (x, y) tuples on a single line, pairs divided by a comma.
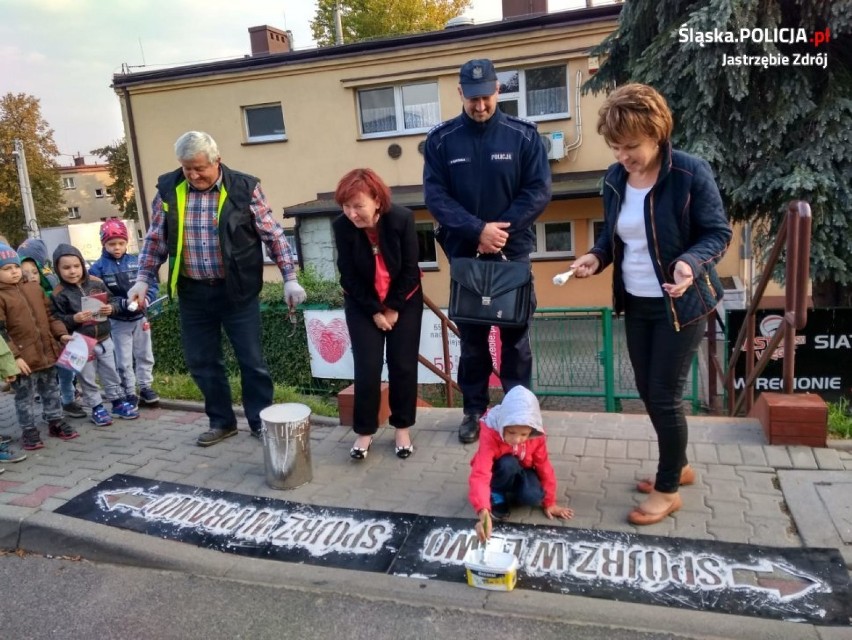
[(581, 352)]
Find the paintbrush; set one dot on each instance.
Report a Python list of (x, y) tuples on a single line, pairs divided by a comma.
[(561, 278)]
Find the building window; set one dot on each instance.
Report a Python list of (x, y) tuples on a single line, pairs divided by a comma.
[(535, 94), (596, 228), (409, 108), (68, 183), (427, 256), (73, 213), (99, 193), (291, 241), (264, 123), (553, 240)]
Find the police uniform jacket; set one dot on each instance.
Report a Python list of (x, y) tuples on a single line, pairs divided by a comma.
[(478, 172)]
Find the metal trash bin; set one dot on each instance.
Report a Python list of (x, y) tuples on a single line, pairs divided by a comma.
[(287, 445)]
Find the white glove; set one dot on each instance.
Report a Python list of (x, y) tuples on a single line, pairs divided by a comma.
[(294, 294), (137, 293)]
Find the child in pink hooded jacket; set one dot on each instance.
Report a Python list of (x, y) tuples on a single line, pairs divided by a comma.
[(512, 463)]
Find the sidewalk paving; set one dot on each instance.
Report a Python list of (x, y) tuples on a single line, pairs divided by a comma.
[(597, 457)]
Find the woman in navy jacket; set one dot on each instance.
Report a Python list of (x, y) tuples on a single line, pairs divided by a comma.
[(664, 230), (377, 255)]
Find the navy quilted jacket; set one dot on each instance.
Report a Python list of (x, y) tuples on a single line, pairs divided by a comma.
[(684, 220)]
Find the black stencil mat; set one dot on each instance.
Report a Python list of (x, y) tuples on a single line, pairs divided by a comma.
[(246, 525), (804, 585)]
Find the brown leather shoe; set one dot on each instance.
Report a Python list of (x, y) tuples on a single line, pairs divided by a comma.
[(642, 518), (215, 435), (687, 476)]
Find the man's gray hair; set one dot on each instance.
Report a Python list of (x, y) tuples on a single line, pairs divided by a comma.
[(192, 143)]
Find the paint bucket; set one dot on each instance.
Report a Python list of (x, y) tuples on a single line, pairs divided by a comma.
[(492, 569), (287, 445)]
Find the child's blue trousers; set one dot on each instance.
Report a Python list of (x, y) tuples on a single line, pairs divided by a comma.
[(517, 484)]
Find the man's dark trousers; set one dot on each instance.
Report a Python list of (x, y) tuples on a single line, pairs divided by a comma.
[(475, 361), (205, 309)]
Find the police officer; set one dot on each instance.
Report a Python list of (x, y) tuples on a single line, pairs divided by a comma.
[(486, 180)]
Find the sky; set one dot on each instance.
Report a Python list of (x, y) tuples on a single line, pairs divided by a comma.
[(65, 52)]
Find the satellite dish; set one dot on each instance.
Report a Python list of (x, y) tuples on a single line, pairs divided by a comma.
[(460, 21)]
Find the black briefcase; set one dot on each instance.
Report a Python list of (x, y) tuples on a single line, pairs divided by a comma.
[(492, 292)]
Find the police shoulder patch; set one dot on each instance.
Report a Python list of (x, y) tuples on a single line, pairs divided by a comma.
[(439, 126), (524, 128), (524, 121)]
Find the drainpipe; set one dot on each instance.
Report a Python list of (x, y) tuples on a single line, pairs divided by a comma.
[(298, 238)]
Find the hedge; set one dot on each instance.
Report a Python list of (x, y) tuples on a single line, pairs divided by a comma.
[(284, 343)]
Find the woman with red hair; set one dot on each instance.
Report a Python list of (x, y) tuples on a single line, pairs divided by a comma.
[(377, 256)]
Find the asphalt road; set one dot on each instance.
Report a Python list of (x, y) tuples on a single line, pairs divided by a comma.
[(68, 599)]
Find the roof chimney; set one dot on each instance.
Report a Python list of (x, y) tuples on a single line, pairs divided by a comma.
[(79, 161), (266, 40), (523, 8)]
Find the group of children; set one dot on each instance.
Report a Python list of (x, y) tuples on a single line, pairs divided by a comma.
[(40, 309)]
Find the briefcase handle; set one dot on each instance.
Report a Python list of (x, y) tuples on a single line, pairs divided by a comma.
[(500, 253)]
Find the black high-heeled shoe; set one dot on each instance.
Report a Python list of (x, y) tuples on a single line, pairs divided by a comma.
[(404, 452), (357, 453)]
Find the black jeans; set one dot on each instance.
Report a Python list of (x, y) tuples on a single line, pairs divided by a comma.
[(368, 351), (661, 358), (205, 310)]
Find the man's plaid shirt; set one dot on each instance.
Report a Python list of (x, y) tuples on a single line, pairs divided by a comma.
[(202, 256)]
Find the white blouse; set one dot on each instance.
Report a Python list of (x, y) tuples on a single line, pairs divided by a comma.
[(640, 279)]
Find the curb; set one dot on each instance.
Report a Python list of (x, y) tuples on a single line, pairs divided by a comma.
[(62, 537), (839, 445), (326, 421), (198, 407)]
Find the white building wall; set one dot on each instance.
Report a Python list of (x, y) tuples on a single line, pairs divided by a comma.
[(317, 245)]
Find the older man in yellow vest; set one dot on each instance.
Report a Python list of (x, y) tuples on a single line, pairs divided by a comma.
[(210, 222)]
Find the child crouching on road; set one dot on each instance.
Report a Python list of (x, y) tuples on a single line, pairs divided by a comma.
[(131, 332), (33, 335), (512, 464), (74, 284)]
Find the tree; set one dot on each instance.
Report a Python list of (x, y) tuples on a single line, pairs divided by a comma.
[(366, 19), (773, 131), (119, 171), (20, 119)]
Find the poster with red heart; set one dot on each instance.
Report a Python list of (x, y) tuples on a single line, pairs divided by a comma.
[(330, 347)]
